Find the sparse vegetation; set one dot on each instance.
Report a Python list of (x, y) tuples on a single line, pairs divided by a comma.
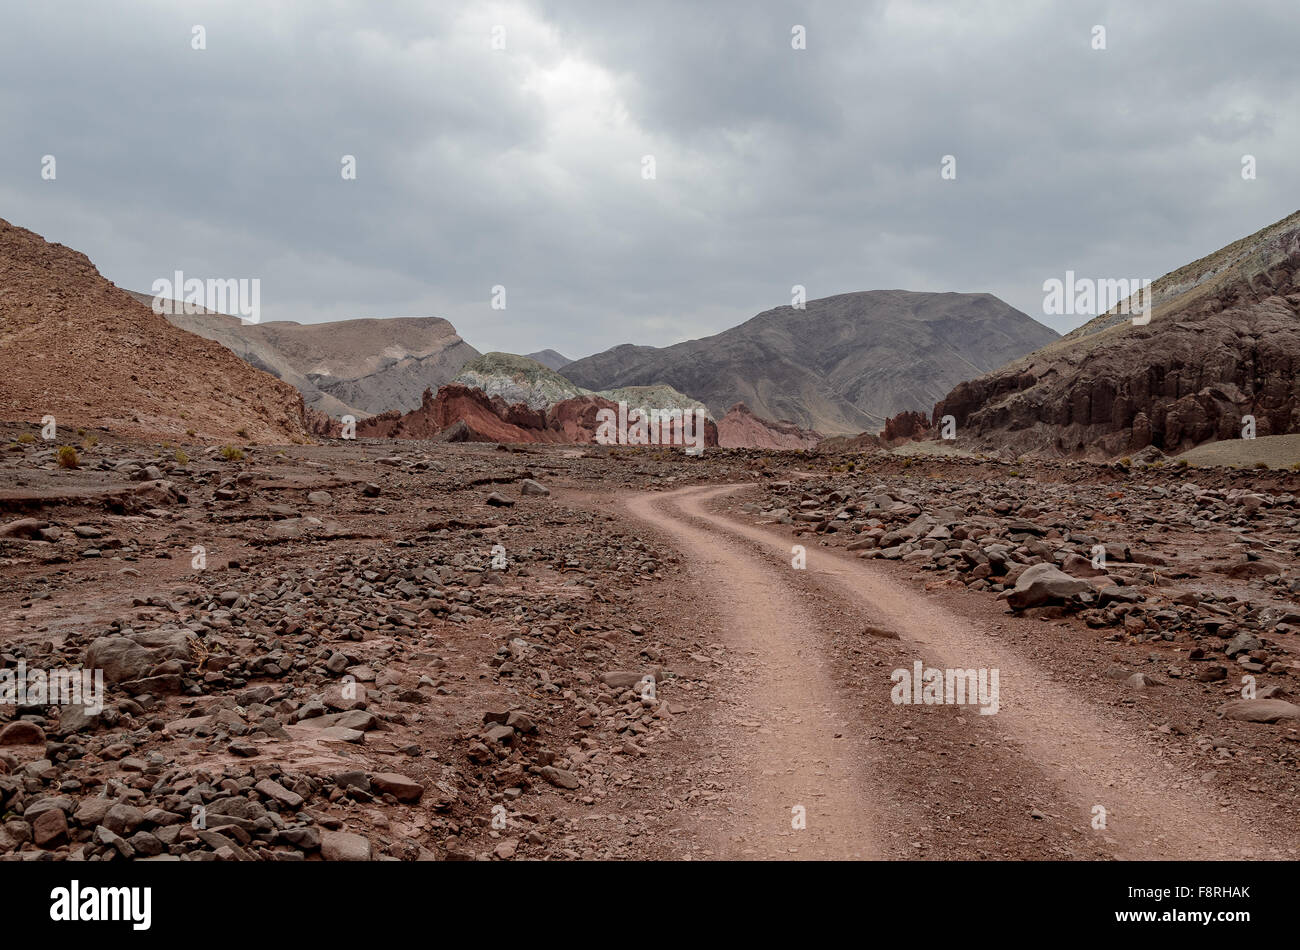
[(26, 438), (90, 441), (190, 432), (68, 457), (232, 453), (242, 432), (181, 457)]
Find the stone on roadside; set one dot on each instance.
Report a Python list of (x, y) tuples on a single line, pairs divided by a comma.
[(1261, 710), (402, 788), (1042, 584), (344, 846)]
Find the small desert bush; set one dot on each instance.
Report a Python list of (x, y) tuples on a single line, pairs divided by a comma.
[(190, 432), (242, 432), (1261, 464), (68, 457), (181, 457), (26, 438), (90, 441), (232, 454)]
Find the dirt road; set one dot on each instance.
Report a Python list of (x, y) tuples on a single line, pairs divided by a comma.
[(803, 725)]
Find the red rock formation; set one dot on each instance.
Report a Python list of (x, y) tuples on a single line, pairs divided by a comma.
[(741, 429), (466, 414), (318, 423), (907, 426)]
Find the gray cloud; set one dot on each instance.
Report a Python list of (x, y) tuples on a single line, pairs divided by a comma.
[(522, 167)]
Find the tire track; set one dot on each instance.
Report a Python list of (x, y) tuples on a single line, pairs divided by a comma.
[(882, 780)]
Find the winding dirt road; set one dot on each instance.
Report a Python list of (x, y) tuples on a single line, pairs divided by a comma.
[(812, 758)]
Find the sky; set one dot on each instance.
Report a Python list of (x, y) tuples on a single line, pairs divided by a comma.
[(643, 173)]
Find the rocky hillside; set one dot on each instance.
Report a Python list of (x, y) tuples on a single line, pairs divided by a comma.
[(1223, 343), (740, 428), (360, 367), (654, 397), (517, 379), (842, 365), (85, 351)]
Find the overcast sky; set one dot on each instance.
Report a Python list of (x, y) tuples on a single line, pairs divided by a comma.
[(523, 167)]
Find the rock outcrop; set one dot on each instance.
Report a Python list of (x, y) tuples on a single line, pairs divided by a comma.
[(1223, 344), (740, 428), (467, 414), (907, 426)]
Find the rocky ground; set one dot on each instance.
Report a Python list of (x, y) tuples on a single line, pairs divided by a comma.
[(418, 651)]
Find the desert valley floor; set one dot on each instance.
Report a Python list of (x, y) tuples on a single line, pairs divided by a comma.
[(417, 651)]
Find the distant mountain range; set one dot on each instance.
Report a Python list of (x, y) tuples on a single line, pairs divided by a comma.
[(1222, 348), (842, 365)]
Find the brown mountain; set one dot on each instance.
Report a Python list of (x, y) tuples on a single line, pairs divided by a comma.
[(842, 365), (1223, 342), (361, 367), (85, 351)]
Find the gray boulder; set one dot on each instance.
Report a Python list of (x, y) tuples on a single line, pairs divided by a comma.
[(1043, 584)]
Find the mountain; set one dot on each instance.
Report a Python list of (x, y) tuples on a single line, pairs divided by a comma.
[(842, 365), (83, 350), (550, 359), (1223, 342), (359, 367)]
